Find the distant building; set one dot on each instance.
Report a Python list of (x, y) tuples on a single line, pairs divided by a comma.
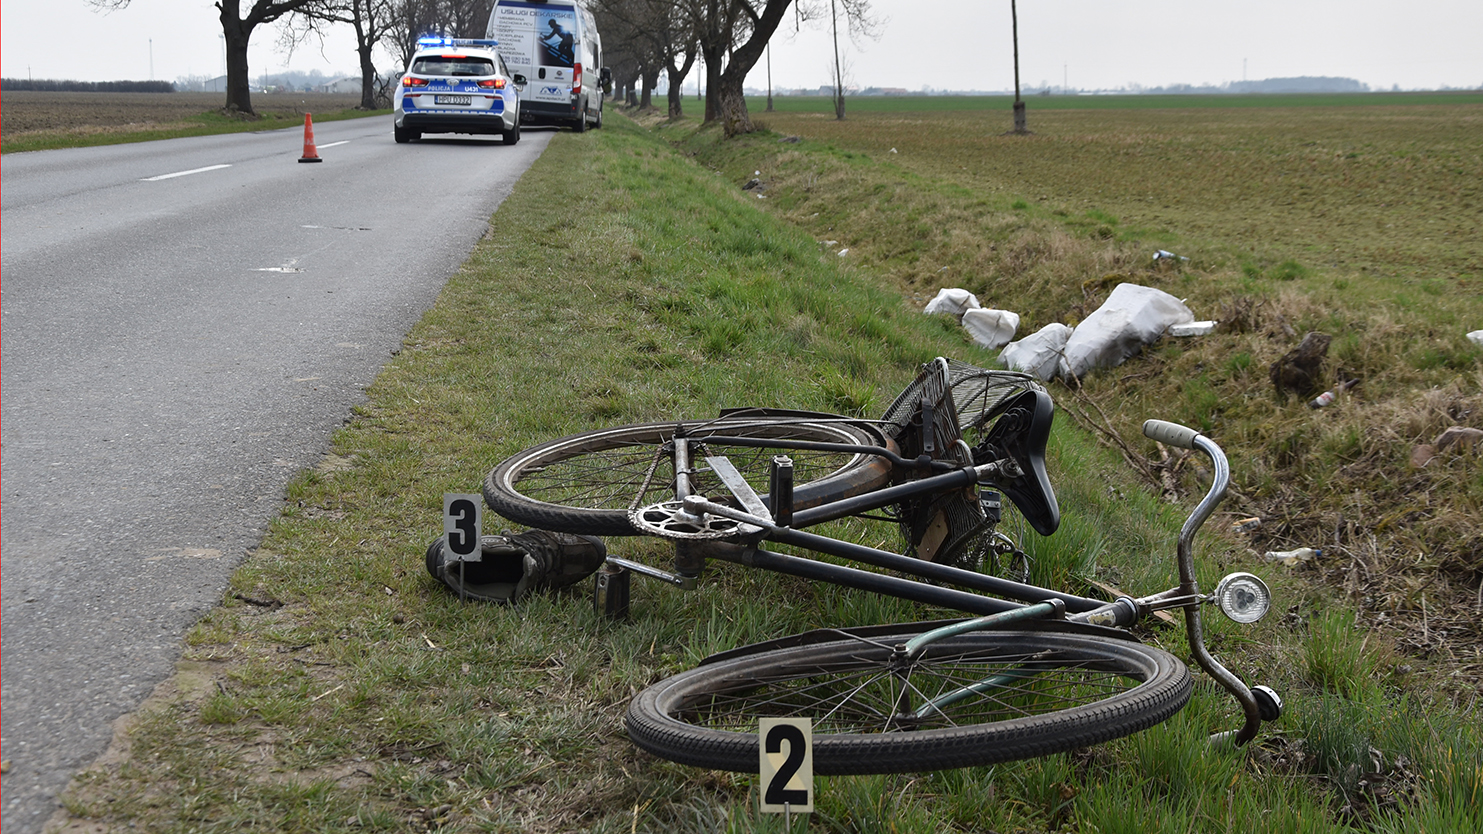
[(350, 86)]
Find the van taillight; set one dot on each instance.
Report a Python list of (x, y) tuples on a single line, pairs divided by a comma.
[(577, 80)]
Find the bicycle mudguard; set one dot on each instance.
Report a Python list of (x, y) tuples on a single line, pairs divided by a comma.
[(1021, 433), (826, 635)]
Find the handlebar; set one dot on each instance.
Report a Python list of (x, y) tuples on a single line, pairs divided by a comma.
[(1173, 434)]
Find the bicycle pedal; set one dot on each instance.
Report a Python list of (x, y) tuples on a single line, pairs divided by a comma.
[(610, 598)]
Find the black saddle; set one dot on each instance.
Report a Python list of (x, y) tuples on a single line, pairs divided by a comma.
[(1020, 433)]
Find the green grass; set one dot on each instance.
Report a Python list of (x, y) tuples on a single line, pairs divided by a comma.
[(371, 699)]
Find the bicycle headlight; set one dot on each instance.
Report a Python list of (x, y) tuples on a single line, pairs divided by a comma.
[(1243, 597)]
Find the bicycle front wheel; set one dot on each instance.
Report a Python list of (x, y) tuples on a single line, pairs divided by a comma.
[(586, 483), (975, 699)]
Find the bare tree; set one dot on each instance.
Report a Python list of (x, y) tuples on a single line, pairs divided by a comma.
[(651, 36), (370, 19), (237, 30), (733, 36), (412, 19)]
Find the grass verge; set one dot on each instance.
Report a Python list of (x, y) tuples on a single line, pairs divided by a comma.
[(339, 689), (1353, 221)]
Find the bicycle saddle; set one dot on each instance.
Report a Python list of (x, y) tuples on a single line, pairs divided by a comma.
[(1020, 433)]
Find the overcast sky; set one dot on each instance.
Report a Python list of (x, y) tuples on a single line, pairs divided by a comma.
[(948, 44)]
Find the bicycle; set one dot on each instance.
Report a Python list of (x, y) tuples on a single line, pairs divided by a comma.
[(1037, 671)]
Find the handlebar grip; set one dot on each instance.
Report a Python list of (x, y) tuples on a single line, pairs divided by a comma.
[(1171, 434)]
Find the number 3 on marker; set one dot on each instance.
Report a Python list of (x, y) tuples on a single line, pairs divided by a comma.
[(786, 765), (461, 520)]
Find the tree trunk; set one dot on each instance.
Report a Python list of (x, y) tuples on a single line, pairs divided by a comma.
[(733, 108), (367, 79), (239, 91), (651, 81), (364, 43), (713, 84), (731, 104), (677, 83)]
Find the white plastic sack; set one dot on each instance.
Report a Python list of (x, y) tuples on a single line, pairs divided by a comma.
[(1132, 317), (952, 302), (1039, 353), (1476, 337), (991, 328)]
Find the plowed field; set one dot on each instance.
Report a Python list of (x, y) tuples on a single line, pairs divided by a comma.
[(30, 112)]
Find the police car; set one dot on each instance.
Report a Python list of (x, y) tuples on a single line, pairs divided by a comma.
[(457, 85)]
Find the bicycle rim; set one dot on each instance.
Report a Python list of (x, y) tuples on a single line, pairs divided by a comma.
[(586, 483), (1041, 693)]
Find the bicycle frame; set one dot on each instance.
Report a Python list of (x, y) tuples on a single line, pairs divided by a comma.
[(755, 522)]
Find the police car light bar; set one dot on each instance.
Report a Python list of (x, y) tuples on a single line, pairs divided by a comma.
[(430, 41)]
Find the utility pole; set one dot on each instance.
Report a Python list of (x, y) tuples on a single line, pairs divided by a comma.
[(769, 78), (838, 70), (1019, 104), (151, 59)]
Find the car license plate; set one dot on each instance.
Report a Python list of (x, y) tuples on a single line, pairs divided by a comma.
[(453, 99)]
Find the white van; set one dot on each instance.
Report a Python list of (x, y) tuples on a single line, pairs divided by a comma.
[(555, 45)]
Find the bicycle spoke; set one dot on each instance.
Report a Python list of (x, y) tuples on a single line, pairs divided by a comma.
[(862, 693)]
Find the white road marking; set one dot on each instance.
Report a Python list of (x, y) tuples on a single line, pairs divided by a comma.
[(183, 173), (332, 144)]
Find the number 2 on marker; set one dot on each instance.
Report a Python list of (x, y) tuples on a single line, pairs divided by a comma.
[(786, 765)]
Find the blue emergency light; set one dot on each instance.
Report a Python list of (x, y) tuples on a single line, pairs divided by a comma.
[(430, 41)]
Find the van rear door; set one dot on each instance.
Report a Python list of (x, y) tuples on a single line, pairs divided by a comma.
[(539, 41)]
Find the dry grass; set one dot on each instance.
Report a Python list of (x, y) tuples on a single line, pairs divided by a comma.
[(1361, 222)]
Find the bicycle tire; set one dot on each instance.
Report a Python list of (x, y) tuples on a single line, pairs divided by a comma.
[(585, 483), (1086, 689)]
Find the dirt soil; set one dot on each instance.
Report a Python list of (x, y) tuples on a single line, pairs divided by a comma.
[(28, 111)]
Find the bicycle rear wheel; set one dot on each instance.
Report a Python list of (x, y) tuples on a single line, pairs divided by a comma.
[(1034, 693), (586, 483)]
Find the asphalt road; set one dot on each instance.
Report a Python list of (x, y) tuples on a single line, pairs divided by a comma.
[(182, 326)]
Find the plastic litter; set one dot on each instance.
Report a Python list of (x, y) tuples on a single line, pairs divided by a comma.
[(952, 302), (1166, 255), (1194, 328), (1327, 398), (1131, 317), (1246, 525), (1476, 337), (1039, 353), (993, 329), (1292, 558)]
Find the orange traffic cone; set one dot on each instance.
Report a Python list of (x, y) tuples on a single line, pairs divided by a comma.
[(310, 154)]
